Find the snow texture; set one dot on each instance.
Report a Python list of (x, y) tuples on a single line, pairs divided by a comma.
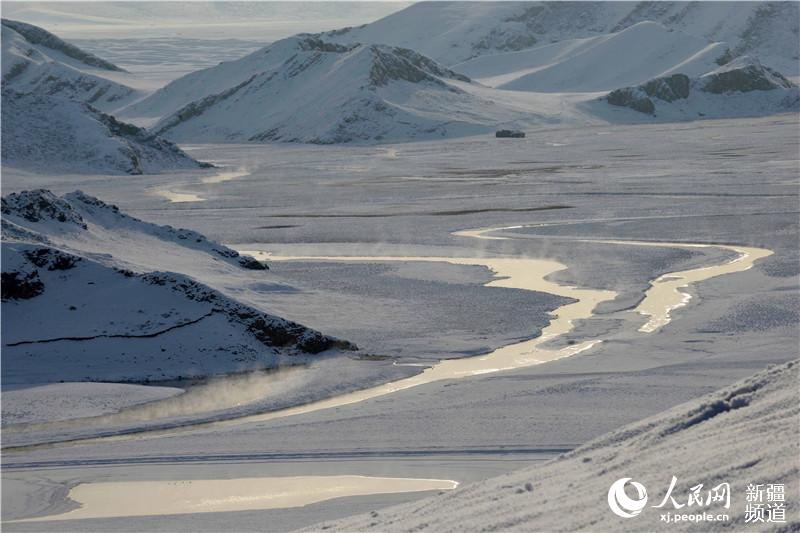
[(53, 134), (36, 61), (304, 89), (73, 314), (453, 32), (743, 86), (714, 439)]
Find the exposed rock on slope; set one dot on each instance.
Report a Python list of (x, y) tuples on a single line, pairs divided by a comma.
[(39, 36), (303, 89), (744, 75), (43, 213), (746, 84), (73, 311), (36, 61), (718, 438), (53, 134), (452, 32), (631, 56)]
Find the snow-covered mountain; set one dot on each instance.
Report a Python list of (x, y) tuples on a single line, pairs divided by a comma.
[(83, 301), (742, 87), (340, 86), (54, 134), (747, 431), (634, 55), (453, 32), (304, 89), (36, 61)]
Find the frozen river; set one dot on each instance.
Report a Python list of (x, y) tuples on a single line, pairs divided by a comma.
[(641, 231)]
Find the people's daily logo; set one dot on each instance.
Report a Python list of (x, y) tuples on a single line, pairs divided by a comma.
[(621, 504), (766, 502)]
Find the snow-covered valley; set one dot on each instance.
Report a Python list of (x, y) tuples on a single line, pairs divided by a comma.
[(379, 300)]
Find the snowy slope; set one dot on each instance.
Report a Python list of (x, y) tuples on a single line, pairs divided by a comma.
[(718, 438), (54, 134), (213, 80), (743, 87), (66, 401), (636, 54), (36, 61), (82, 222), (313, 91), (81, 300), (453, 32)]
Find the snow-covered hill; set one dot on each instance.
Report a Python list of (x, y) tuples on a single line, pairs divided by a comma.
[(54, 134), (716, 439), (303, 89), (332, 88), (742, 87), (36, 61), (453, 32), (92, 294), (634, 55)]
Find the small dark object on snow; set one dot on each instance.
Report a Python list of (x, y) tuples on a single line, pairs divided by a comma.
[(515, 134), (252, 263)]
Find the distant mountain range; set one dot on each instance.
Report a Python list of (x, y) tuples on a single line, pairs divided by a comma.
[(453, 32), (432, 70), (303, 89)]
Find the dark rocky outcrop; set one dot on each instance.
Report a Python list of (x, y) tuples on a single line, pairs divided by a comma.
[(40, 205), (744, 75), (20, 285), (251, 263), (669, 88), (392, 63), (51, 259), (632, 97), (740, 75)]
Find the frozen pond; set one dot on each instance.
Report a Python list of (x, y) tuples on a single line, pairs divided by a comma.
[(148, 498)]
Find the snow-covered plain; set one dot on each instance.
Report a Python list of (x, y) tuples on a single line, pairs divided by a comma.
[(715, 439), (678, 240), (407, 199)]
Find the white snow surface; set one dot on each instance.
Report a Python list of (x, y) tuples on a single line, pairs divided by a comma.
[(636, 54), (453, 32), (105, 303), (66, 401), (743, 87), (717, 438), (303, 89), (66, 71), (306, 89), (53, 134)]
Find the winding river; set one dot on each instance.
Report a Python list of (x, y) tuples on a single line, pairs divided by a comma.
[(666, 294)]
